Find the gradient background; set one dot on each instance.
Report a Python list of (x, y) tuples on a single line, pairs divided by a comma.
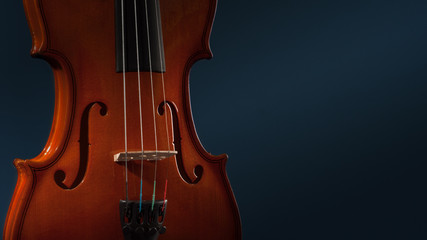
[(321, 106)]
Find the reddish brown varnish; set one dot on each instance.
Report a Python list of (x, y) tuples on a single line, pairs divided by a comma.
[(77, 38)]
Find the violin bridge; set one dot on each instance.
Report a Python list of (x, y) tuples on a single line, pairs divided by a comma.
[(145, 155)]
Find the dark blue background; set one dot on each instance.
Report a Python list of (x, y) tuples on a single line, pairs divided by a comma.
[(321, 106)]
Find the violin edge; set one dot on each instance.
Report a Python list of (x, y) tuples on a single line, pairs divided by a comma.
[(64, 84), (221, 160), (19, 201), (37, 27), (55, 145), (204, 53)]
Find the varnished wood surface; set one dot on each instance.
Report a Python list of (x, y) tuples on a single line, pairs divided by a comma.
[(77, 39)]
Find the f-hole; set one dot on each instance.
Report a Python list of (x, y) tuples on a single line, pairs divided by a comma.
[(198, 170), (84, 148)]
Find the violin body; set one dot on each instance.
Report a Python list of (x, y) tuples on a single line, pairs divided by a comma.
[(73, 188)]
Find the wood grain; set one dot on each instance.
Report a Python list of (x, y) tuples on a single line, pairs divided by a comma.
[(77, 38)]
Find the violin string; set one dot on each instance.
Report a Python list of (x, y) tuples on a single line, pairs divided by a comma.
[(124, 100), (164, 100), (152, 102), (140, 104)]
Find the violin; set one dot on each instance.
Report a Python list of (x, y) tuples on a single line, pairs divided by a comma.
[(123, 159)]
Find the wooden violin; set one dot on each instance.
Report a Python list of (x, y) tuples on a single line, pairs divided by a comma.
[(123, 160)]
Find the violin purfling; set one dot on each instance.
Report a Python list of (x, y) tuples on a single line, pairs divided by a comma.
[(123, 159)]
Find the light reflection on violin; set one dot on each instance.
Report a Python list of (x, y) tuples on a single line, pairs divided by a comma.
[(123, 149)]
